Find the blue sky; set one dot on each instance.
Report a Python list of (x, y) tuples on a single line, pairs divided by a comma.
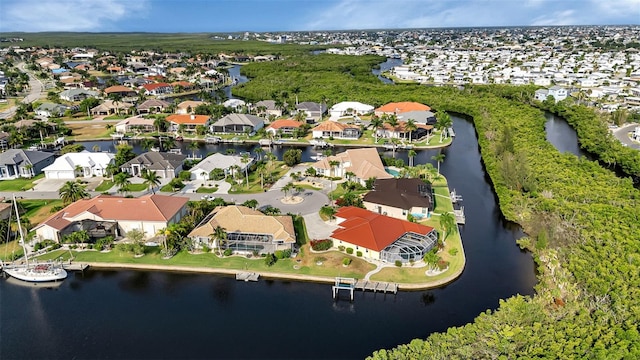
[(298, 15)]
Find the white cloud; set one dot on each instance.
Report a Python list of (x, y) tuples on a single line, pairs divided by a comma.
[(68, 15), (564, 17)]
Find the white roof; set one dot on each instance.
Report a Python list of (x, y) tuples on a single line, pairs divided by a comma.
[(233, 103), (85, 158), (358, 106), (218, 161)]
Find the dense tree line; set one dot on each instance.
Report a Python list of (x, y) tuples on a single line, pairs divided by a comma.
[(582, 221)]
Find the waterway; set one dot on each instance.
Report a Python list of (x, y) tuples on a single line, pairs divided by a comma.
[(389, 64), (135, 314), (562, 136)]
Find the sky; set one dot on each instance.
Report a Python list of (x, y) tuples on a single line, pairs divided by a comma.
[(300, 15)]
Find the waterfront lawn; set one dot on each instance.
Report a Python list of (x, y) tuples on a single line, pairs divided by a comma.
[(301, 230), (104, 185), (20, 184), (84, 131), (38, 210), (11, 250)]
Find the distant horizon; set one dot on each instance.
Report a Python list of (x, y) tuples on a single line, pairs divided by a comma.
[(260, 16)]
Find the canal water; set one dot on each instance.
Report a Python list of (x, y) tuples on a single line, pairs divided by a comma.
[(136, 314), (389, 64), (562, 136)]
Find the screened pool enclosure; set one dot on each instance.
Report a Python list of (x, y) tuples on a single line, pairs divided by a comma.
[(410, 247)]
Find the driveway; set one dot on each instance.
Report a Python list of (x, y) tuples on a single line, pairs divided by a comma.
[(53, 185), (622, 134), (317, 228)]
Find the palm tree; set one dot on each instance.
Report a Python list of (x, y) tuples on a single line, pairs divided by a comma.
[(285, 189), (411, 126), (261, 169), (259, 153), (161, 124), (151, 178), (411, 154), (72, 191), (448, 223), (111, 170), (443, 121), (438, 158), (193, 146), (220, 234), (376, 123), (122, 180), (245, 160)]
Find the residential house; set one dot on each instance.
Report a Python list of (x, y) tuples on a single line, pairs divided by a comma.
[(229, 163), (157, 89), (18, 163), (234, 104), (109, 107), (83, 164), (152, 106), (267, 108), (395, 108), (247, 230), (182, 85), (283, 127), (135, 123), (379, 237), (336, 130), (188, 107), (106, 215), (362, 163), (401, 132), (349, 108), (51, 110), (238, 123), (313, 111), (120, 90), (421, 117), (557, 92), (5, 210), (400, 197), (74, 95), (165, 165), (190, 122), (4, 139)]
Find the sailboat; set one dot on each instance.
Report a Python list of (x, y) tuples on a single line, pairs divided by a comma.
[(33, 271)]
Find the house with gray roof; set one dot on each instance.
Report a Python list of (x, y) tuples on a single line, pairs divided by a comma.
[(166, 165), (77, 94), (51, 110), (313, 111), (400, 197), (227, 163), (267, 108), (238, 124), (18, 163), (419, 116), (152, 105)]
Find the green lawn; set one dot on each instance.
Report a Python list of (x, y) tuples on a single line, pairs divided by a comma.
[(207, 189), (104, 185), (137, 187), (301, 230), (9, 250), (19, 184), (279, 169)]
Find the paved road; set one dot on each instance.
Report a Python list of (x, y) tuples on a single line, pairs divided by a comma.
[(622, 134), (36, 92)]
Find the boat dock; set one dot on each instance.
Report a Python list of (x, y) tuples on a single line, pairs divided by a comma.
[(351, 284), (245, 276), (75, 266)]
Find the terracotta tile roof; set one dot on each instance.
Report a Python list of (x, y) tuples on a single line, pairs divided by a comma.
[(400, 107), (182, 83), (372, 231), (282, 123), (151, 87), (364, 163), (145, 208), (333, 126), (188, 119), (246, 220)]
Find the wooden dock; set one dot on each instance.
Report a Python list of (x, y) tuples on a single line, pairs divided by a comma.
[(376, 286), (75, 266), (245, 276)]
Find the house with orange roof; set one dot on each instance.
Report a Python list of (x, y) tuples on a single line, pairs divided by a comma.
[(157, 88), (283, 127), (362, 163), (333, 129), (378, 237), (185, 85), (395, 108), (189, 121), (106, 215), (120, 90)]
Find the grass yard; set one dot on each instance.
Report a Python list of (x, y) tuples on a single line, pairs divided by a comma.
[(104, 185), (10, 250), (21, 184), (86, 131), (207, 189), (38, 210), (138, 187), (279, 169)]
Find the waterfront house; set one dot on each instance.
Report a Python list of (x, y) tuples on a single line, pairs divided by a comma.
[(18, 163), (267, 108), (401, 132), (557, 92), (165, 165), (400, 197), (120, 90), (188, 106), (313, 111), (106, 215), (83, 164), (362, 163), (378, 237), (157, 89), (247, 230), (109, 107), (349, 108), (152, 105), (336, 130), (228, 163), (234, 104), (283, 127), (396, 108), (190, 122), (135, 123), (238, 124)]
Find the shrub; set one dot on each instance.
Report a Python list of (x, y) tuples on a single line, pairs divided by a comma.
[(349, 251), (398, 263), (184, 175), (56, 208), (341, 247), (228, 252), (321, 245), (359, 253), (442, 265), (453, 251), (286, 254), (279, 254), (346, 261), (270, 259), (205, 249), (255, 253)]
